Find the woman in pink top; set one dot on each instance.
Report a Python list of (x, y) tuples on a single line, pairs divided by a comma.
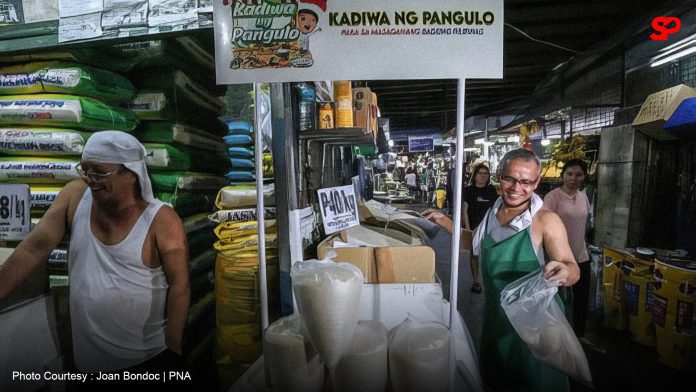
[(573, 207)]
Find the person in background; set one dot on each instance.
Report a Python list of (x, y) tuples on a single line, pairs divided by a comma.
[(431, 182), (573, 207), (477, 198), (411, 181), (511, 242), (128, 261)]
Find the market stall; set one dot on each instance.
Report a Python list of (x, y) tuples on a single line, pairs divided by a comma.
[(319, 61)]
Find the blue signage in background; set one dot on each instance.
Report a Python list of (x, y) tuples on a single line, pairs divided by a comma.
[(420, 144)]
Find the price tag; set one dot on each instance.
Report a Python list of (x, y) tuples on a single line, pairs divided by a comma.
[(15, 217), (339, 208)]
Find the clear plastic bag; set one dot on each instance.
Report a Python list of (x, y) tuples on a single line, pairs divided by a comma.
[(363, 368), (419, 356), (529, 304), (328, 298), (293, 363)]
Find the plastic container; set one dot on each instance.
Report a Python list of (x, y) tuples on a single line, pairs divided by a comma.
[(326, 116), (343, 98), (306, 107), (674, 299)]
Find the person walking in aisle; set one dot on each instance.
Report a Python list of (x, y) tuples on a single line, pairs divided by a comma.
[(411, 182), (128, 261), (573, 207), (512, 241), (477, 198)]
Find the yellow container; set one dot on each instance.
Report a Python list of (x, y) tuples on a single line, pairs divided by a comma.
[(638, 286), (674, 314), (616, 261), (612, 287), (326, 116), (343, 100)]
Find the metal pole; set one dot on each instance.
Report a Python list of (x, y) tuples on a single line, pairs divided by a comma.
[(456, 198), (260, 208), (456, 228)]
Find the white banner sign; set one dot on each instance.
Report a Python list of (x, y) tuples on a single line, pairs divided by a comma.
[(15, 218), (339, 208), (298, 40)]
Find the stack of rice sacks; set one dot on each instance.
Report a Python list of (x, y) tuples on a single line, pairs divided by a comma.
[(178, 111), (237, 275)]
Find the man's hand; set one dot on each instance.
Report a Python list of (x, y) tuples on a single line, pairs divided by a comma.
[(437, 216), (557, 273)]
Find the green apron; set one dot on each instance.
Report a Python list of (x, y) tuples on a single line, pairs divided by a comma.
[(506, 362)]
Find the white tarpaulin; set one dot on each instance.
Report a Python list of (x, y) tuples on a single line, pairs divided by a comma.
[(296, 40)]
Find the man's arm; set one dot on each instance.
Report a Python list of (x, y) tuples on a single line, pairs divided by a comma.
[(561, 266), (172, 248), (38, 244)]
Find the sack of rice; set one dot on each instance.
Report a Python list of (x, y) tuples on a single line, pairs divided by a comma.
[(60, 110), (293, 363), (41, 141), (227, 231), (328, 299), (36, 170), (65, 77), (243, 195), (363, 368), (240, 215), (419, 356)]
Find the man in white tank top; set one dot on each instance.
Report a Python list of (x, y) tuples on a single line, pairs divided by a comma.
[(128, 260)]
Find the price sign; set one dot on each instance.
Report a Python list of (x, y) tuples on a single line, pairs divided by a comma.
[(15, 217), (339, 208)]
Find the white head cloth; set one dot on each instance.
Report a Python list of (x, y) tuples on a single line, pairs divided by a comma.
[(120, 148)]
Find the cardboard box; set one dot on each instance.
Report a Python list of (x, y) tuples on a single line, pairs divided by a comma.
[(658, 108), (360, 256), (399, 263), (405, 264)]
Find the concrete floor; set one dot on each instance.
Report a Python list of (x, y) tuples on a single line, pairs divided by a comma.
[(615, 360)]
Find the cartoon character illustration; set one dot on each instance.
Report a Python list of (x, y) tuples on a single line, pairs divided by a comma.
[(306, 22)]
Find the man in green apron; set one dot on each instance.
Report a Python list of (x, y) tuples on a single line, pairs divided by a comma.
[(516, 237)]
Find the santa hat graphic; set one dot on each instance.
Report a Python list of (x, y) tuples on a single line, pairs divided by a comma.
[(316, 7)]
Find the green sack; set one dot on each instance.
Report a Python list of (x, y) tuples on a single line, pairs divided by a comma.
[(93, 56), (177, 133), (188, 203), (181, 52), (183, 158), (186, 181), (197, 222), (58, 110), (37, 170), (67, 78), (42, 141)]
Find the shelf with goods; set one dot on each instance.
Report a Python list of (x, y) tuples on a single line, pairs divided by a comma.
[(160, 90)]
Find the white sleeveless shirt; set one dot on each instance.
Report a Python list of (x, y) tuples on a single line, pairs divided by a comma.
[(117, 304)]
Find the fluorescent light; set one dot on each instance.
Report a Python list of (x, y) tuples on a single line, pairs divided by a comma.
[(472, 149), (479, 141), (513, 139), (674, 56), (675, 51), (545, 142)]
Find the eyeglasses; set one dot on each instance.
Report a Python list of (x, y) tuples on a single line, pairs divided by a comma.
[(512, 181), (94, 176)]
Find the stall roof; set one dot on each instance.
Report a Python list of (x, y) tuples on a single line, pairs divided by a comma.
[(572, 31)]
